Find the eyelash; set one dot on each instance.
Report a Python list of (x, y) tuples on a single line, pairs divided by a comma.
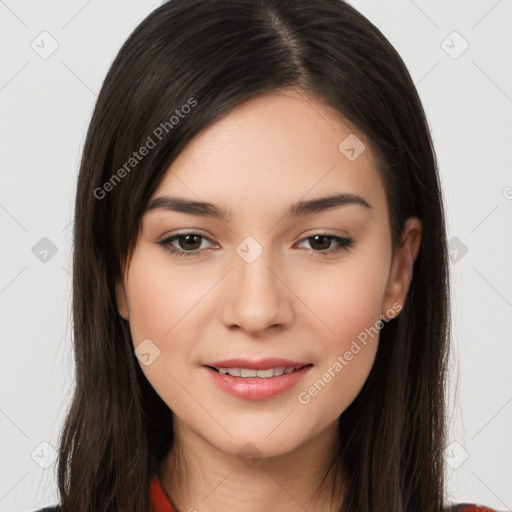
[(344, 244)]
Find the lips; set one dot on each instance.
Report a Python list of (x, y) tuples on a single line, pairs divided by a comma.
[(256, 380), (260, 364)]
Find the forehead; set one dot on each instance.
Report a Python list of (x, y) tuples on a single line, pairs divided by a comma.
[(280, 146)]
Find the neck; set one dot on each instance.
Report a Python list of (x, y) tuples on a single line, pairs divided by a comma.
[(199, 477)]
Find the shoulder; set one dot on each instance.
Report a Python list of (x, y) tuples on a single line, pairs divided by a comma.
[(468, 507)]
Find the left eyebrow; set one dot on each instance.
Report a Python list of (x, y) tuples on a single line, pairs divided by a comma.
[(326, 203), (301, 208)]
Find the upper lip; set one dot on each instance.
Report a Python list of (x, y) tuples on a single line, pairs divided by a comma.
[(257, 364)]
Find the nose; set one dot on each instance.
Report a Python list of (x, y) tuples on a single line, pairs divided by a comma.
[(256, 296)]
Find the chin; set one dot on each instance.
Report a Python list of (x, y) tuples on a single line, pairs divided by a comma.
[(260, 440)]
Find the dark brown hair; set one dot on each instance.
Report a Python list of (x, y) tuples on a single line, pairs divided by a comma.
[(212, 55)]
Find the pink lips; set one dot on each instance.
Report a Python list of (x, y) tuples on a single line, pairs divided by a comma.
[(256, 388), (260, 364)]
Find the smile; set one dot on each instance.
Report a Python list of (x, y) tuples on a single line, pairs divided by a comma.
[(252, 384), (262, 374)]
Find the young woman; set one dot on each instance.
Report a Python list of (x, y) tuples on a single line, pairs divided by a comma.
[(260, 282)]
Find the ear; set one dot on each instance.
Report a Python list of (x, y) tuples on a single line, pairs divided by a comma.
[(400, 275), (121, 297)]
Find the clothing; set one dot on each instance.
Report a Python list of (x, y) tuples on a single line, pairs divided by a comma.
[(161, 503), (159, 500), (466, 507)]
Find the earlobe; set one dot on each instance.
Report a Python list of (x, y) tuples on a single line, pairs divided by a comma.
[(400, 276)]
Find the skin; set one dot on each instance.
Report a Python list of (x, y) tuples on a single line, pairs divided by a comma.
[(290, 302)]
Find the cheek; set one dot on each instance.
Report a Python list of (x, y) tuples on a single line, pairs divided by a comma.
[(160, 299), (166, 303), (347, 300), (349, 304)]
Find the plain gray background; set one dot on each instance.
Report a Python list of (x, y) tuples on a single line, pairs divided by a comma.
[(459, 54)]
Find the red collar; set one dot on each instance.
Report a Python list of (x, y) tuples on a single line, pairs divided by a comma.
[(160, 502)]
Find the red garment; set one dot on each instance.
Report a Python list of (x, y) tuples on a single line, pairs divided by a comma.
[(158, 499), (471, 508), (161, 503)]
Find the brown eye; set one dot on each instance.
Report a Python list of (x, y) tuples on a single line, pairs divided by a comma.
[(189, 244), (321, 243)]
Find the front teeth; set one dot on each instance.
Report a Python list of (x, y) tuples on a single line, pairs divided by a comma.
[(265, 374)]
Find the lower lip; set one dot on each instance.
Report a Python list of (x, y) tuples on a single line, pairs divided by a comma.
[(256, 388)]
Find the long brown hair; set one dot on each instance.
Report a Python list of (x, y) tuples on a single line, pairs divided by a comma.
[(212, 55)]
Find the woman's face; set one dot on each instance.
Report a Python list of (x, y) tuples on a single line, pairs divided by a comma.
[(264, 283)]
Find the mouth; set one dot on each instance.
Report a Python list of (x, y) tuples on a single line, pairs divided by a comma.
[(256, 383), (262, 374)]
